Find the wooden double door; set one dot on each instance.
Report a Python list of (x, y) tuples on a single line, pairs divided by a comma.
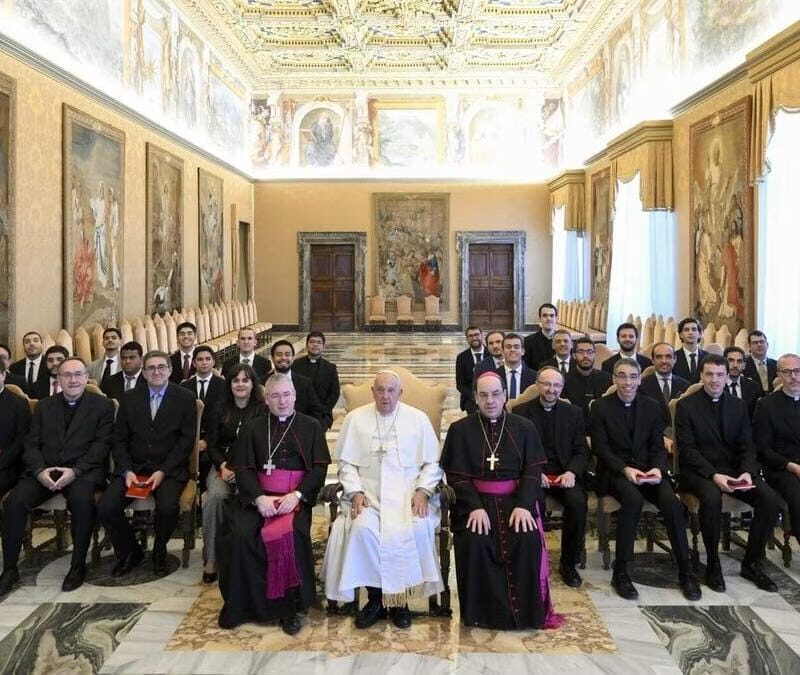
[(491, 286), (333, 292)]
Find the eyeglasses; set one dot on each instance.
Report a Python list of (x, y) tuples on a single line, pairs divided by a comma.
[(73, 376), (632, 377), (788, 372), (160, 368), (582, 352)]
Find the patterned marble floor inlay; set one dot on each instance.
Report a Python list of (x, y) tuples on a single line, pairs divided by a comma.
[(719, 639), (67, 637)]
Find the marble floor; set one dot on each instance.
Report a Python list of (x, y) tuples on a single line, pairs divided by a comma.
[(169, 625)]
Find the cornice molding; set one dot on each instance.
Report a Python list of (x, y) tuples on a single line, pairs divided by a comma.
[(645, 132), (565, 178), (729, 79), (775, 54)]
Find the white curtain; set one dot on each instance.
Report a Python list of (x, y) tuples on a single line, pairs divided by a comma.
[(642, 259), (568, 260), (778, 287)]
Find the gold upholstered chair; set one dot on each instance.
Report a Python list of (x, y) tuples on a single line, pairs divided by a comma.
[(376, 318), (405, 316), (433, 318)]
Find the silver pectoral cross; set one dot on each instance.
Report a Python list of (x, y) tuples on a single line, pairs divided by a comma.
[(491, 460), (268, 467)]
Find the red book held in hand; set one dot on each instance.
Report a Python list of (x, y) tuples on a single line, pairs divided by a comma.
[(740, 485), (553, 478), (139, 489)]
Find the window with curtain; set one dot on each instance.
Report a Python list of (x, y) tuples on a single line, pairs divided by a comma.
[(643, 259), (778, 286), (568, 260)]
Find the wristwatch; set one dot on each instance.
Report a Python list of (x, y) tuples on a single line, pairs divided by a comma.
[(298, 494)]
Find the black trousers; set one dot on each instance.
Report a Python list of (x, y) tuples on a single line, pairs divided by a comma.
[(788, 485), (765, 512), (631, 498), (8, 479), (112, 514), (573, 529), (27, 495)]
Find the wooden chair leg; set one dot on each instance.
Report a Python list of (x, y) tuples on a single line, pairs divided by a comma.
[(726, 531), (27, 542), (60, 520)]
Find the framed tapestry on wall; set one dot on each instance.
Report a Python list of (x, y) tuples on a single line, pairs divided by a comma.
[(94, 208), (164, 231), (7, 222), (210, 241), (721, 212), (601, 235), (411, 232)]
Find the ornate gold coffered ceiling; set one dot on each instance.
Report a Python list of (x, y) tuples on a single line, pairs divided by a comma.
[(300, 44)]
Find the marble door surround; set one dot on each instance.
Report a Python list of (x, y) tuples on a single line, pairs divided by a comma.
[(305, 240)]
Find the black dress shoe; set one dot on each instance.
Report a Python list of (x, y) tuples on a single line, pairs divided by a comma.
[(290, 624), (569, 575), (74, 578), (209, 577), (714, 579), (689, 586), (127, 563), (370, 614), (8, 579), (160, 566), (624, 587), (401, 617), (755, 572)]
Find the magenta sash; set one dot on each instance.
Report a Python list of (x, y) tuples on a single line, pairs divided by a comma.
[(277, 535), (496, 488)]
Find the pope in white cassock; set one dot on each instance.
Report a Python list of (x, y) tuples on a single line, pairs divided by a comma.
[(383, 538)]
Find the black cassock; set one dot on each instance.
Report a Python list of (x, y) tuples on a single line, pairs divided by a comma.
[(241, 557), (502, 576)]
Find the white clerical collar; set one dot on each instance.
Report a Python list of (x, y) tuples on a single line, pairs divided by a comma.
[(283, 419), (313, 360)]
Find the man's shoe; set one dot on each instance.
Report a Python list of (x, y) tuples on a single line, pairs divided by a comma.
[(290, 624), (160, 565), (370, 614), (8, 579), (714, 579), (569, 575), (624, 587), (74, 578), (755, 573), (401, 617), (689, 586), (127, 563), (209, 577)]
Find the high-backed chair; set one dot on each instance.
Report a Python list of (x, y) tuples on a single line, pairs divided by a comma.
[(433, 319), (64, 339), (405, 317), (602, 352), (83, 344), (528, 395), (741, 340), (724, 336), (714, 348), (376, 319), (140, 335), (161, 333), (709, 334), (96, 336), (127, 331), (172, 337), (152, 335)]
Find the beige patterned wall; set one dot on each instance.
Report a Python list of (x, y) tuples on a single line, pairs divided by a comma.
[(38, 176)]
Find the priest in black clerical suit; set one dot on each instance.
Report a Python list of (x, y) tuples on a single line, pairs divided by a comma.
[(777, 432), (538, 349), (15, 420), (493, 461), (266, 565), (627, 432), (641, 359), (306, 401), (324, 378), (583, 382)]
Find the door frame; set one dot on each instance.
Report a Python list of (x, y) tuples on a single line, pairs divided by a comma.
[(305, 240), (517, 239)]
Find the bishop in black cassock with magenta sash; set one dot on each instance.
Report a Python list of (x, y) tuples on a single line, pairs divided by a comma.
[(266, 566), (494, 462)]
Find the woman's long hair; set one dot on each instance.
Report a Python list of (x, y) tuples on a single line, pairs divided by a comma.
[(256, 400)]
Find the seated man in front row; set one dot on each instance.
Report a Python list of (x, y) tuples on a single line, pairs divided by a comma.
[(153, 441), (494, 462), (384, 537), (627, 432), (65, 452), (717, 455), (266, 565), (561, 428)]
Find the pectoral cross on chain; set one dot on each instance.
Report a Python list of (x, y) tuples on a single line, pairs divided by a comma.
[(491, 460), (268, 467)]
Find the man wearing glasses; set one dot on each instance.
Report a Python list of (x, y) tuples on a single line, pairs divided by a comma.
[(153, 441), (777, 433), (65, 452), (584, 383)]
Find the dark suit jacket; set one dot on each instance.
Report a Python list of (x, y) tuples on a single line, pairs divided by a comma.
[(650, 386), (465, 368), (16, 380), (307, 401), (41, 389), (553, 361), (18, 368), (482, 367), (751, 371), (569, 451), (751, 392), (681, 367), (144, 445), (776, 426), (608, 364), (324, 378), (115, 385), (15, 421), (613, 444), (527, 377), (538, 348), (212, 406), (176, 359), (262, 366), (704, 448), (84, 446), (580, 390)]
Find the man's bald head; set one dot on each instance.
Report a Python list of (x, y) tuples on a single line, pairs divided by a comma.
[(386, 391)]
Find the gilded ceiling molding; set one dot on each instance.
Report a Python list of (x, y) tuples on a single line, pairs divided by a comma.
[(568, 189)]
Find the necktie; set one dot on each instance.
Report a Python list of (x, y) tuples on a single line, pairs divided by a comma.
[(187, 366), (202, 390), (129, 382), (107, 369), (478, 356), (693, 365), (512, 392), (155, 399), (733, 390), (30, 374), (762, 375), (563, 368), (665, 389)]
